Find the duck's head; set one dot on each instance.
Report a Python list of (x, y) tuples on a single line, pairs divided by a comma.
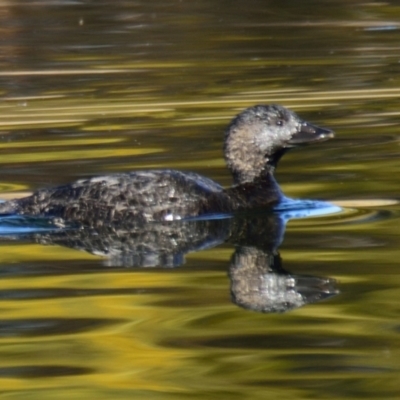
[(258, 137)]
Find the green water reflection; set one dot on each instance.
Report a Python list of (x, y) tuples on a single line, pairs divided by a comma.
[(98, 87)]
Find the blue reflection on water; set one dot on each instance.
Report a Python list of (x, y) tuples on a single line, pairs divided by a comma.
[(19, 224), (296, 209), (288, 209), (382, 28)]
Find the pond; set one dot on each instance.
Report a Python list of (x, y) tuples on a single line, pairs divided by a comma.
[(96, 87)]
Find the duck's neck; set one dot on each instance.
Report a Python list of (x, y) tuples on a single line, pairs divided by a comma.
[(263, 191)]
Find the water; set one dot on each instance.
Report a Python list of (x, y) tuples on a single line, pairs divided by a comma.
[(97, 87)]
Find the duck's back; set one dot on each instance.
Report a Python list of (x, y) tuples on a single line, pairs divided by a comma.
[(141, 196)]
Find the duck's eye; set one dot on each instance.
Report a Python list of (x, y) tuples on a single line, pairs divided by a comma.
[(279, 122)]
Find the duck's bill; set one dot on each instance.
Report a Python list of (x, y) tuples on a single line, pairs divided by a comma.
[(309, 133)]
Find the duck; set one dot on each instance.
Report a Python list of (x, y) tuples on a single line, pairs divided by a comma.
[(254, 142)]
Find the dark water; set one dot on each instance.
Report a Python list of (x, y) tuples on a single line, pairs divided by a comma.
[(90, 87)]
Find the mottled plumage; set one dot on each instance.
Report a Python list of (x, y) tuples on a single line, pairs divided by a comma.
[(254, 142)]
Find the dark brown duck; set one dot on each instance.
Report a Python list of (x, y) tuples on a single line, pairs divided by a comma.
[(255, 140)]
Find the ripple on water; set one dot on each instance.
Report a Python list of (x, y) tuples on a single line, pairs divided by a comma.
[(39, 327)]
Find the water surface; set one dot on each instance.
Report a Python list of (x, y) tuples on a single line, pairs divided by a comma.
[(97, 87)]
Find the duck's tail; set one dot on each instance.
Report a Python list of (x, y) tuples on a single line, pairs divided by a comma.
[(8, 208)]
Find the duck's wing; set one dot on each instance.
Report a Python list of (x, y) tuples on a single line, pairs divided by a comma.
[(142, 195)]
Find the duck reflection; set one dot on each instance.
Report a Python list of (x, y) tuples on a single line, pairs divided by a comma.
[(257, 279), (259, 283)]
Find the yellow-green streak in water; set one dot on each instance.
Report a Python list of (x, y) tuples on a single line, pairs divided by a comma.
[(103, 87)]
